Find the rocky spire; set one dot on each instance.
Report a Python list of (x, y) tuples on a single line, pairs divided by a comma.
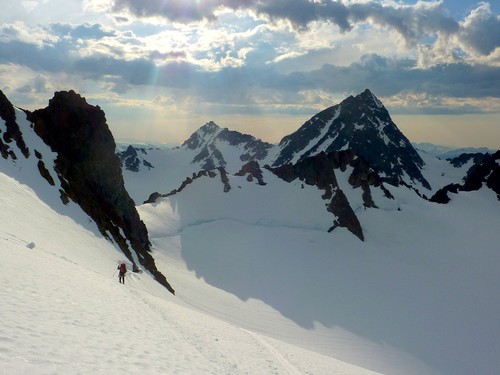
[(90, 173)]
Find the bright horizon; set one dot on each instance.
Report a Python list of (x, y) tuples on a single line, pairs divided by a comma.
[(161, 69)]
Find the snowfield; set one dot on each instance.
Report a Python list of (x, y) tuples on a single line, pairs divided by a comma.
[(417, 297), (64, 312)]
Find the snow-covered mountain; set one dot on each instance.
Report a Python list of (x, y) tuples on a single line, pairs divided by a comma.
[(361, 124), (349, 152), (69, 152), (211, 143), (266, 258)]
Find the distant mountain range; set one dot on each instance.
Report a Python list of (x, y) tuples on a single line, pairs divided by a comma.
[(446, 152), (355, 141)]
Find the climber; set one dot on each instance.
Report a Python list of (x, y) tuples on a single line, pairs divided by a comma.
[(123, 270)]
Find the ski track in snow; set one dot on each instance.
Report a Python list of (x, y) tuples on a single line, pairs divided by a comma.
[(291, 370)]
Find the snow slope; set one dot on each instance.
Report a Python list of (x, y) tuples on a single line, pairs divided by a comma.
[(63, 311)]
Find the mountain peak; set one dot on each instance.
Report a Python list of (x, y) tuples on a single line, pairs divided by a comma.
[(210, 140), (360, 123), (370, 99), (209, 129), (202, 135), (211, 126)]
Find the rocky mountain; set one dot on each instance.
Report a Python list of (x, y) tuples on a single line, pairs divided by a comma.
[(130, 159), (360, 123), (351, 152), (82, 166), (210, 141), (484, 172)]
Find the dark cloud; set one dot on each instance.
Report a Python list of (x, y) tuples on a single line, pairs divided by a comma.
[(134, 72), (182, 11), (481, 30), (174, 55), (387, 77), (46, 58), (390, 77), (410, 21), (247, 84), (301, 12)]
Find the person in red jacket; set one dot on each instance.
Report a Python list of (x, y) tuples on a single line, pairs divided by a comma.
[(123, 270)]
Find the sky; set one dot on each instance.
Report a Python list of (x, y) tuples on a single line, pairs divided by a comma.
[(161, 69)]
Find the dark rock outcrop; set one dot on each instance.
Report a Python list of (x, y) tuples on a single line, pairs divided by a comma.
[(130, 159), (318, 171), (463, 159), (12, 133), (90, 173), (487, 172), (252, 170), (189, 180)]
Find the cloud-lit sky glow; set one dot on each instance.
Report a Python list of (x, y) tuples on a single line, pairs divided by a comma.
[(162, 68)]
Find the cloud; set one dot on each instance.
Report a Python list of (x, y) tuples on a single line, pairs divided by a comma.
[(411, 21), (45, 58), (180, 11), (268, 65), (480, 31), (40, 84), (303, 12), (423, 103), (390, 77)]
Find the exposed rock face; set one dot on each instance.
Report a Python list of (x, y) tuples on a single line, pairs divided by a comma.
[(7, 113), (130, 159), (204, 173), (318, 170), (90, 172), (252, 170), (486, 173), (362, 124), (208, 140), (462, 159)]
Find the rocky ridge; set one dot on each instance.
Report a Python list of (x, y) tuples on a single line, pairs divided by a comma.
[(87, 170), (485, 171)]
